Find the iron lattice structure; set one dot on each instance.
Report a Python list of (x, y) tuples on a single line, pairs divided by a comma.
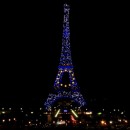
[(65, 66)]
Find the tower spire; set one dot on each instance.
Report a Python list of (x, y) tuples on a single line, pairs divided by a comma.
[(65, 59)]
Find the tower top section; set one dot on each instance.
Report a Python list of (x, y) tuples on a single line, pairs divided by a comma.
[(65, 59)]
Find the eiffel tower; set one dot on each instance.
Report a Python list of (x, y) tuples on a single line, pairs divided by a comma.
[(64, 88)]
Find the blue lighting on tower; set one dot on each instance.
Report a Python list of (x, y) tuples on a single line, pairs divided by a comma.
[(65, 66)]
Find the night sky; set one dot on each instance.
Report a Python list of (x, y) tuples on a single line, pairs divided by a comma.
[(31, 38)]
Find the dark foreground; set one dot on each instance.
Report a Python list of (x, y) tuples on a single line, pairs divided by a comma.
[(68, 128)]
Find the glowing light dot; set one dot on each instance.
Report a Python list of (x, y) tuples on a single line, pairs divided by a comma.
[(126, 121), (32, 112), (3, 112), (111, 122), (3, 120)]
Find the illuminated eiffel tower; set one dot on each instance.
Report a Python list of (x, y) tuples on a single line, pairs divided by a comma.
[(65, 88)]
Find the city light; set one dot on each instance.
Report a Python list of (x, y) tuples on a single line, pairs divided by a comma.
[(88, 113), (32, 112), (103, 122), (99, 113), (74, 113), (3, 112), (3, 120), (57, 113), (110, 122), (76, 116)]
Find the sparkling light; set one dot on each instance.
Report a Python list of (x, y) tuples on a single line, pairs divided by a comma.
[(32, 112), (74, 113), (76, 96), (103, 122), (3, 112), (3, 120), (99, 113), (88, 113), (57, 113), (65, 66), (110, 122), (14, 119)]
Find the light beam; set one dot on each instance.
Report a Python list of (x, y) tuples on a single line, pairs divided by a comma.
[(57, 113), (74, 113)]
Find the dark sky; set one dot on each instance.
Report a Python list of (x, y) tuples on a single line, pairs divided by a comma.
[(31, 38)]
